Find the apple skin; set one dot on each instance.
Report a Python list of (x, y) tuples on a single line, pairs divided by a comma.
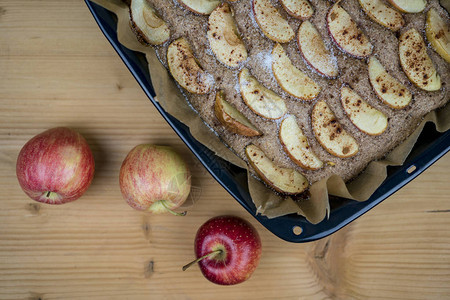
[(154, 178), (240, 245), (56, 166)]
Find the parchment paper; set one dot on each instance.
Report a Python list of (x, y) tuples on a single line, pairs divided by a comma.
[(316, 207)]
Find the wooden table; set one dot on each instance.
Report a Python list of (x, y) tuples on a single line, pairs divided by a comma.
[(57, 69)]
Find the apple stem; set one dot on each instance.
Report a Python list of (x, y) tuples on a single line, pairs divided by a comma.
[(171, 211), (48, 194), (200, 258)]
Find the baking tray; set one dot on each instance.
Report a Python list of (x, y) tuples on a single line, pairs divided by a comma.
[(430, 146)]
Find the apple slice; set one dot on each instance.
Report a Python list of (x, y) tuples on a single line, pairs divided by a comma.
[(149, 27), (202, 7), (383, 14), (283, 180), (300, 9), (224, 38), (313, 49), (438, 34), (233, 119), (388, 89), (416, 63), (366, 118), (346, 34), (296, 145), (409, 6), (291, 79), (330, 133), (272, 24), (185, 69), (259, 99)]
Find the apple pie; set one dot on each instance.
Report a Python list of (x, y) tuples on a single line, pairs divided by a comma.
[(302, 89)]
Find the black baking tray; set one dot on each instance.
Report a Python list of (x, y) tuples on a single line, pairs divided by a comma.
[(430, 146)]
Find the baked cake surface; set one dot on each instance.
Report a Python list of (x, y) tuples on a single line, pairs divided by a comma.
[(352, 79)]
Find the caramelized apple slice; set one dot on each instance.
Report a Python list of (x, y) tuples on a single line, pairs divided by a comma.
[(202, 7), (283, 180), (346, 34), (291, 79), (259, 99), (416, 63), (438, 34), (150, 29), (383, 14), (330, 133), (313, 49), (185, 70), (272, 24), (409, 6), (300, 9), (224, 38), (387, 88), (366, 118), (233, 119), (296, 145)]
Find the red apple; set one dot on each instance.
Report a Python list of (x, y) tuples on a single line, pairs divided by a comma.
[(154, 178), (228, 250), (56, 166)]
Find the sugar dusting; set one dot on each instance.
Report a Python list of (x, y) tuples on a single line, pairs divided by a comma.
[(206, 79), (264, 58), (278, 121), (237, 87), (209, 51)]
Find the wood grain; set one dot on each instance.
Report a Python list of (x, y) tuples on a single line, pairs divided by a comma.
[(57, 69)]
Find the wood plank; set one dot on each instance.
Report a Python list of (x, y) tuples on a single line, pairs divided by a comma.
[(57, 69)]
